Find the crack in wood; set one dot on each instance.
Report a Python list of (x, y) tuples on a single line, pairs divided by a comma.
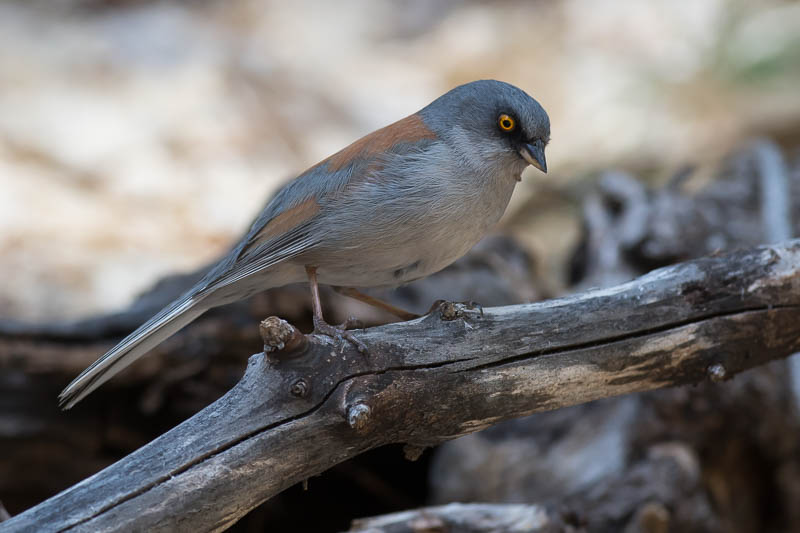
[(599, 343), (259, 439)]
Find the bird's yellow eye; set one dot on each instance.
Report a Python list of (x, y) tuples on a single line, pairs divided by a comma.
[(506, 123)]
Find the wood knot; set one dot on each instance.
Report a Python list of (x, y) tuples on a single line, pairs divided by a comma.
[(299, 388), (358, 416), (449, 311), (717, 373), (280, 336), (453, 310)]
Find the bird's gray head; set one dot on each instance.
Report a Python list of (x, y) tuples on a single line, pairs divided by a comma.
[(491, 123)]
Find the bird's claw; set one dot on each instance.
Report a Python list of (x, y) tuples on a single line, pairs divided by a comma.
[(470, 305), (351, 323), (340, 332)]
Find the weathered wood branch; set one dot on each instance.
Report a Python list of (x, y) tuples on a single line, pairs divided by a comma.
[(474, 518), (294, 415)]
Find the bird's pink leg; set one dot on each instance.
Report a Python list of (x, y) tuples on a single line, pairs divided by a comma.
[(375, 302), (322, 327)]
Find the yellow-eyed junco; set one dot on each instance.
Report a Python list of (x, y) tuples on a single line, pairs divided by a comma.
[(397, 205)]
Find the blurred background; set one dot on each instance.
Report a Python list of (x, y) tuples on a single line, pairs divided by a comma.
[(139, 138)]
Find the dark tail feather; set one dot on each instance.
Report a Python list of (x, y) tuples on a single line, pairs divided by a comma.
[(167, 322)]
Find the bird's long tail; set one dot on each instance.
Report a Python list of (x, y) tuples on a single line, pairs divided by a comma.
[(167, 322)]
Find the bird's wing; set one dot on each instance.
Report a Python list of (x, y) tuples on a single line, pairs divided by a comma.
[(282, 230), (279, 233)]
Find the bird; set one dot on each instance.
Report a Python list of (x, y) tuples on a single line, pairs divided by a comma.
[(397, 205)]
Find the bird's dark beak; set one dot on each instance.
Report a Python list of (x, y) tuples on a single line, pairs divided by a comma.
[(534, 154)]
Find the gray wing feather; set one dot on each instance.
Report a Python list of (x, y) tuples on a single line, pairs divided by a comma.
[(244, 260)]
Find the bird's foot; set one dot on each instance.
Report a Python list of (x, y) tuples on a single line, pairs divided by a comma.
[(340, 332), (453, 310)]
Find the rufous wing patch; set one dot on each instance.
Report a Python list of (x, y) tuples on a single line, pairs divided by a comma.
[(284, 222), (408, 130)]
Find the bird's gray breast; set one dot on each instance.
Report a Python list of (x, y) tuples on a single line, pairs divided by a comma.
[(411, 218)]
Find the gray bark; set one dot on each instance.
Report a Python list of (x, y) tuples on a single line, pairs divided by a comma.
[(453, 372), (464, 518)]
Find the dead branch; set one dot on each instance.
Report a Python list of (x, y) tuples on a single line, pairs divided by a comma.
[(472, 518), (296, 413)]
